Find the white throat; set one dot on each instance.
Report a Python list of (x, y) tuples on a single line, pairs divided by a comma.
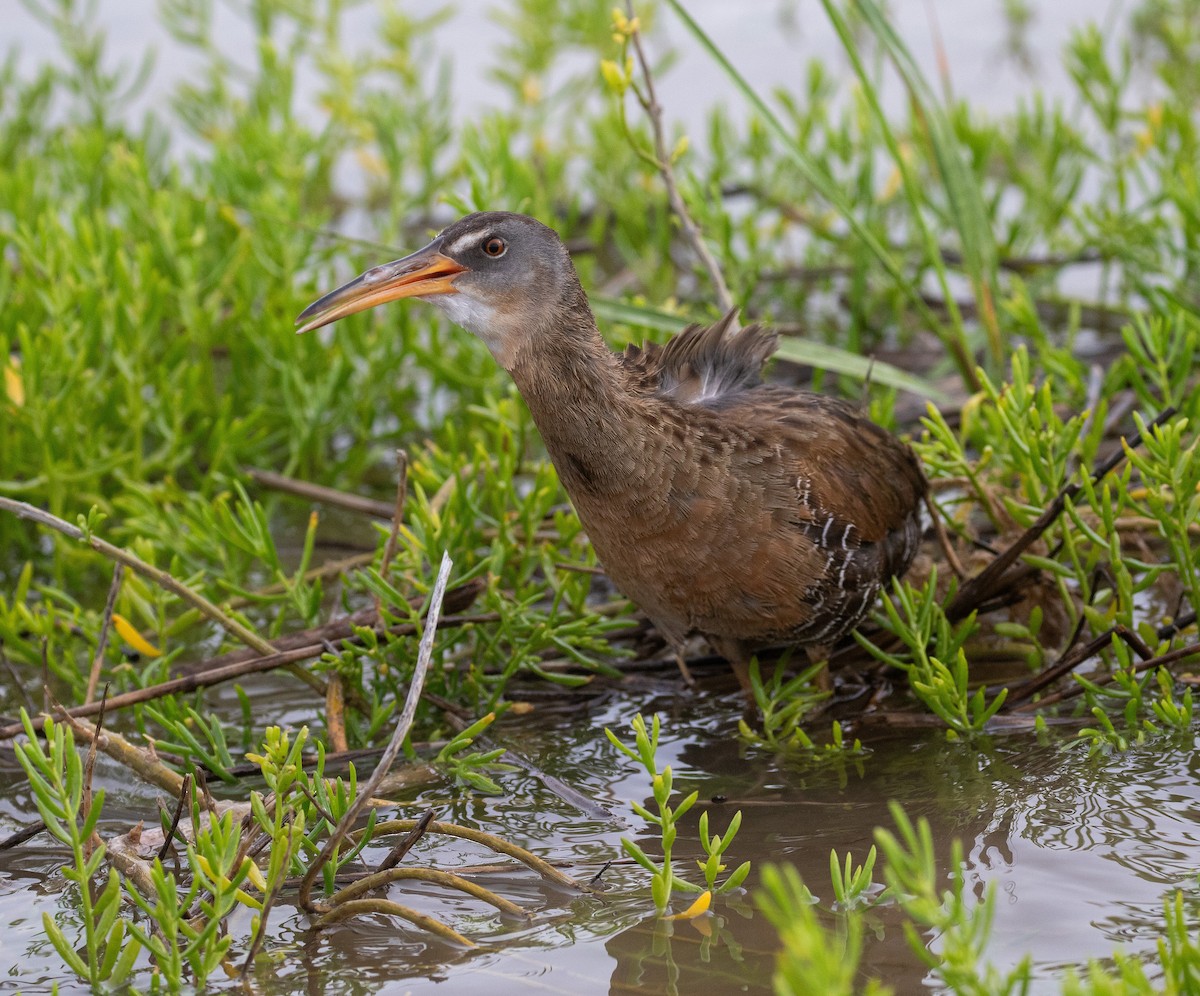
[(481, 320)]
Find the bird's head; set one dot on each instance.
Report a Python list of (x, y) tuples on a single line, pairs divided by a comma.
[(502, 276)]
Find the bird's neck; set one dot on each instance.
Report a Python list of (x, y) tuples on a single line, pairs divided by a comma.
[(573, 387)]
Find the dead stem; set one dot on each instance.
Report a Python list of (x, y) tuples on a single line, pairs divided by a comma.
[(364, 907), (319, 493), (22, 835), (240, 666), (173, 828), (403, 725), (490, 841), (187, 683), (407, 842), (457, 599), (446, 879), (987, 582), (105, 626), (23, 510), (691, 231), (1176, 656)]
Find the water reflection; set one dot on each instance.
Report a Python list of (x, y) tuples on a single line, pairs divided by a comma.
[(707, 955), (1081, 852)]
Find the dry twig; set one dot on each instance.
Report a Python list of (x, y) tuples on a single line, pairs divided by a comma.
[(403, 725), (105, 626), (691, 231)]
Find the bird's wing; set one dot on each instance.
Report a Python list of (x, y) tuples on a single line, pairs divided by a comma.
[(842, 459), (857, 487), (701, 364)]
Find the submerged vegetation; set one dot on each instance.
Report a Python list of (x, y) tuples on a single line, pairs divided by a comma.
[(1017, 294)]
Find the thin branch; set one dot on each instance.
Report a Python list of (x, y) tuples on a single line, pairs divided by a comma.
[(241, 667), (981, 587), (403, 725), (105, 625), (22, 835), (362, 907), (1071, 660), (319, 493), (446, 879), (691, 231), (457, 599), (23, 510), (490, 841), (173, 828), (187, 683), (407, 842), (1176, 656)]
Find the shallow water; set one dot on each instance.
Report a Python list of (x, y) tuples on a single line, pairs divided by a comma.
[(1081, 852)]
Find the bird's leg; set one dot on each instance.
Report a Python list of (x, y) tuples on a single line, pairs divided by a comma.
[(739, 657), (741, 669), (684, 671)]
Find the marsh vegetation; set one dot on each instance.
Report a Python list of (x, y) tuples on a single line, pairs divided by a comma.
[(257, 562)]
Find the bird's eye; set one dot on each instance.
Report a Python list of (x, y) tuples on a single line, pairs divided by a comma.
[(495, 246)]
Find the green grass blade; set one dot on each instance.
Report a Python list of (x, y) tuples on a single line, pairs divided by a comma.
[(816, 175), (967, 208)]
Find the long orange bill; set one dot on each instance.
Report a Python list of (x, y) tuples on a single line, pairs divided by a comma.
[(427, 271)]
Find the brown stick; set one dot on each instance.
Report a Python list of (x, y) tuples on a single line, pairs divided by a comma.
[(173, 828), (209, 677), (981, 587), (22, 835), (1069, 662), (105, 626), (188, 683), (406, 843), (1170, 657), (456, 600), (318, 492)]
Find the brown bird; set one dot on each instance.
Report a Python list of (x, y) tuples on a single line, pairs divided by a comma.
[(750, 513)]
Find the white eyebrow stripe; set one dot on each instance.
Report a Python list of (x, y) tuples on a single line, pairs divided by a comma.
[(461, 243)]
